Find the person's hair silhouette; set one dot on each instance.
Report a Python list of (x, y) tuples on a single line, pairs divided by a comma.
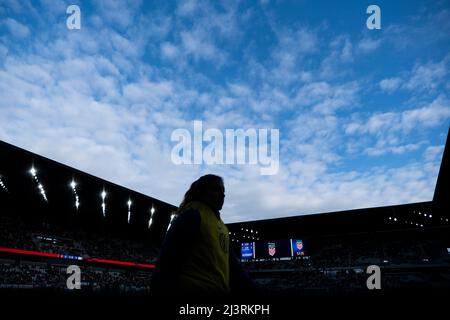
[(195, 257), (208, 189)]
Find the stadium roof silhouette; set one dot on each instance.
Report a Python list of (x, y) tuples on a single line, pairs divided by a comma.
[(41, 189), (433, 213)]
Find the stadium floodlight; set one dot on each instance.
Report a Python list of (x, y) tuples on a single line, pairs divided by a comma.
[(73, 184), (172, 216), (3, 185), (395, 219), (129, 210), (430, 215), (390, 218), (103, 194), (33, 171), (150, 220)]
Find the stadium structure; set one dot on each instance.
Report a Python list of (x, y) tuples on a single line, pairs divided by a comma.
[(53, 216)]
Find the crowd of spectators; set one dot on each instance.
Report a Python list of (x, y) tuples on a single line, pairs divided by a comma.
[(47, 276), (14, 233), (331, 265)]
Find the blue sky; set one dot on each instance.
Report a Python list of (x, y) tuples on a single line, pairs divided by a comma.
[(362, 114)]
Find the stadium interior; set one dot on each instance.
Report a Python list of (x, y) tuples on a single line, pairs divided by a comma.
[(53, 216)]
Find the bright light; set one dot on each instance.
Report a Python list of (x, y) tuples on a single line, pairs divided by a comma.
[(103, 195), (33, 171), (430, 215), (73, 184), (152, 210), (150, 222), (395, 219), (172, 216), (3, 185), (129, 212), (77, 204)]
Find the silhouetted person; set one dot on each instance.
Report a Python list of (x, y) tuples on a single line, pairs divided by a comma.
[(196, 257)]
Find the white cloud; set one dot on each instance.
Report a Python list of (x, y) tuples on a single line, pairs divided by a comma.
[(187, 8), (433, 153), (427, 116), (118, 13), (390, 84), (293, 46), (367, 45), (341, 53), (428, 76), (16, 28), (325, 98), (199, 45), (377, 151), (169, 51)]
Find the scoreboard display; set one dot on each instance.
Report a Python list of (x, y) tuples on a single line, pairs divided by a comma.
[(247, 250), (272, 249), (298, 250)]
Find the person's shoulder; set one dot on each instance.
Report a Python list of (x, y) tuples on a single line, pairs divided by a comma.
[(196, 205), (188, 214)]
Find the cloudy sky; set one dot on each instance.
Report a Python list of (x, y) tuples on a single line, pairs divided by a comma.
[(362, 114)]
